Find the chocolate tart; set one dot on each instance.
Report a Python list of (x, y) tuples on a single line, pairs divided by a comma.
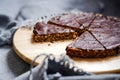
[(46, 32), (100, 40), (94, 45), (78, 22), (85, 46), (95, 35)]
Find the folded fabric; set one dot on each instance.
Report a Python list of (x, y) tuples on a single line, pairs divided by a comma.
[(50, 69), (6, 29)]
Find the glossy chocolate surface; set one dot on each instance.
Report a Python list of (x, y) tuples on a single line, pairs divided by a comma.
[(78, 20), (42, 28), (105, 29)]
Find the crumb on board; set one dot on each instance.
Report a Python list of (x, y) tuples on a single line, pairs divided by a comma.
[(49, 44)]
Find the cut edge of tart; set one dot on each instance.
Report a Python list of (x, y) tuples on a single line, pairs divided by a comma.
[(86, 46), (47, 33)]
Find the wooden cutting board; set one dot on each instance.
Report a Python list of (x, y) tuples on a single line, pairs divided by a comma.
[(27, 50)]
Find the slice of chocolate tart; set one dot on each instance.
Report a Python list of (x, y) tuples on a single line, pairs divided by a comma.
[(77, 22), (46, 32), (85, 46)]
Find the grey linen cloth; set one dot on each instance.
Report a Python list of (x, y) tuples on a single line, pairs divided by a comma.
[(35, 9), (7, 28), (50, 69)]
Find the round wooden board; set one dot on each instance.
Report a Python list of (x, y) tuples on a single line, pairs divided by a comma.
[(27, 50)]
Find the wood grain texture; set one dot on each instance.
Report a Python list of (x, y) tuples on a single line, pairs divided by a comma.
[(26, 49)]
